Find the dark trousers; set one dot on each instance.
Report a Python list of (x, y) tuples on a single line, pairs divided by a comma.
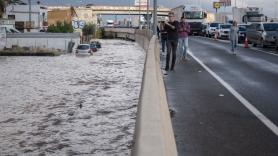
[(171, 48), (163, 44)]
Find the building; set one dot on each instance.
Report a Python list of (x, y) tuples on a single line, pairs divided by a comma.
[(20, 13), (65, 14)]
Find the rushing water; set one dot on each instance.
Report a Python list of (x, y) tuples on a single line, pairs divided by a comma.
[(71, 105)]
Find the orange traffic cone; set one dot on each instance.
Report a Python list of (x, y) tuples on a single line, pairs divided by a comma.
[(246, 43)]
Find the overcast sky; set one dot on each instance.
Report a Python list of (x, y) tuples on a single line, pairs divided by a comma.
[(270, 6)]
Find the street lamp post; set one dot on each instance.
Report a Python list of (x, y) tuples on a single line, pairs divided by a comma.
[(139, 14), (30, 18), (154, 17), (148, 15)]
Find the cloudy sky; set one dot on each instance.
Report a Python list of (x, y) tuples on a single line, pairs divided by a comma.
[(270, 6)]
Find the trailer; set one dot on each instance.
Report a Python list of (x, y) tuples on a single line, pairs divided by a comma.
[(249, 15)]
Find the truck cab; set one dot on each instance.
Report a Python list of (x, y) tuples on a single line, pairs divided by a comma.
[(195, 17)]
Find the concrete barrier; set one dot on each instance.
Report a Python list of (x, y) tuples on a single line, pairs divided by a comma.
[(43, 40), (154, 134)]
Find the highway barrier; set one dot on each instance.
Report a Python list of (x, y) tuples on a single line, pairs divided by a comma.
[(153, 133)]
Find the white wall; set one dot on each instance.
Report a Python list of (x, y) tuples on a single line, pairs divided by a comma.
[(50, 43), (21, 13)]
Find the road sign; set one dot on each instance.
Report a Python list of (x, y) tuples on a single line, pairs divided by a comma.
[(225, 2), (78, 24), (216, 5)]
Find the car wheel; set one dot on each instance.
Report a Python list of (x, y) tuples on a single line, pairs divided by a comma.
[(254, 44), (263, 44)]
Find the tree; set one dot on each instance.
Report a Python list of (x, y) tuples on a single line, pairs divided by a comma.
[(60, 28), (88, 31), (5, 3)]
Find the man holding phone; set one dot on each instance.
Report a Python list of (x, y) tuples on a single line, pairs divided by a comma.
[(171, 27)]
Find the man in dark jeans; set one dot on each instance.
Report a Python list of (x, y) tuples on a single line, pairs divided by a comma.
[(172, 40)]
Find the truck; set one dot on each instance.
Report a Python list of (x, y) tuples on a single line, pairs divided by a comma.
[(195, 16), (249, 15)]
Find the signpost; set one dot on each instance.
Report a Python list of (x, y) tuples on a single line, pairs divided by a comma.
[(216, 6)]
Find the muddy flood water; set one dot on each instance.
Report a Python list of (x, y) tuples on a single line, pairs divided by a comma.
[(69, 105)]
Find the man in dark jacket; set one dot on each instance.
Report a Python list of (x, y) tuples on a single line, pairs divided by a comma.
[(171, 28), (163, 34)]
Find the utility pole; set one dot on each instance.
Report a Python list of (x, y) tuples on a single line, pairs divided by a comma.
[(30, 18), (154, 17), (148, 15), (139, 14)]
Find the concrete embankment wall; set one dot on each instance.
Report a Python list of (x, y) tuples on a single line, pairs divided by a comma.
[(43, 40), (153, 133)]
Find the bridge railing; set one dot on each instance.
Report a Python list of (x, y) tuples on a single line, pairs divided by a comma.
[(153, 133)]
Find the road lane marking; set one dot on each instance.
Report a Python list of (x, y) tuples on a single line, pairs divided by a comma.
[(240, 45), (244, 101)]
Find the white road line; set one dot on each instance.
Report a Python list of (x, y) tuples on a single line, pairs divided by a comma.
[(270, 52), (255, 49), (245, 102)]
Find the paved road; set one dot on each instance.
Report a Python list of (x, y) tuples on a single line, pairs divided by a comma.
[(209, 119)]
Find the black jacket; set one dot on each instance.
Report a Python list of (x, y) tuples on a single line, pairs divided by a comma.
[(172, 34)]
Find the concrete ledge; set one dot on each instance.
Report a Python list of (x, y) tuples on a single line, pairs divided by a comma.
[(154, 133)]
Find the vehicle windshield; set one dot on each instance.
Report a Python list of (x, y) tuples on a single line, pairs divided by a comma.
[(271, 26), (225, 26), (214, 24), (193, 15), (92, 45), (83, 47), (242, 28)]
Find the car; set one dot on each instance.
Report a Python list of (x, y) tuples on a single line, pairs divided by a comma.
[(262, 33), (211, 29), (242, 28), (276, 44), (83, 49), (223, 30), (93, 47), (97, 43), (204, 28)]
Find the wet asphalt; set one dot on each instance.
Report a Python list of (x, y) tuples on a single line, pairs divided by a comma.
[(208, 119)]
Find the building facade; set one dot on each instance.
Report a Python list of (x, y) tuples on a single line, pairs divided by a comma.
[(21, 13)]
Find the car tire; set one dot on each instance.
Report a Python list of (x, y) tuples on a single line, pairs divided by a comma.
[(262, 43), (254, 44)]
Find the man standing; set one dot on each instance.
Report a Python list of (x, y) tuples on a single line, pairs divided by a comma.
[(171, 28), (163, 35), (184, 29)]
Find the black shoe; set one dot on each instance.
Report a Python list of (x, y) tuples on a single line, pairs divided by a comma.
[(172, 69), (166, 69)]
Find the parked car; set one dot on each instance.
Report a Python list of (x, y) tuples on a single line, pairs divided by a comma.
[(262, 33), (83, 49), (242, 28), (97, 43), (93, 47), (204, 28), (211, 29), (276, 44), (223, 30)]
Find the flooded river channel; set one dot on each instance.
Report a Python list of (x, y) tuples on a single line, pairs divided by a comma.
[(69, 105)]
